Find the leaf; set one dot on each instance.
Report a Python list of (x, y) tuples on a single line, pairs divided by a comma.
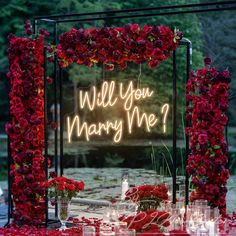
[(216, 147)]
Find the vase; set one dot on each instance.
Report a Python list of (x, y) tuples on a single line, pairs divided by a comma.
[(146, 204), (63, 211)]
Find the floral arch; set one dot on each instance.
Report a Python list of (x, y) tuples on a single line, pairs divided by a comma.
[(113, 47)]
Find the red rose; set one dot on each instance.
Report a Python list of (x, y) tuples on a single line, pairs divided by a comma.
[(61, 187), (207, 61), (52, 174), (153, 64), (49, 80), (202, 138), (226, 73), (80, 185), (71, 187), (23, 123)]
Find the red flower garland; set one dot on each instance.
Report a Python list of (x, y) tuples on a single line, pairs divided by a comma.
[(26, 128), (208, 96), (117, 46)]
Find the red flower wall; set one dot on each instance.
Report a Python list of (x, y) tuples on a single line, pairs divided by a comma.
[(208, 96), (26, 128)]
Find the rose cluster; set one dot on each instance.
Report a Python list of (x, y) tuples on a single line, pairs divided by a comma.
[(117, 46), (26, 230), (207, 94), (148, 196), (26, 128), (63, 187), (76, 230), (147, 191), (148, 222)]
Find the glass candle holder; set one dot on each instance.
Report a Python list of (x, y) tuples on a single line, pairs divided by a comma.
[(89, 230)]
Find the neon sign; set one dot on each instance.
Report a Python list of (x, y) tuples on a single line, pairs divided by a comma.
[(107, 97)]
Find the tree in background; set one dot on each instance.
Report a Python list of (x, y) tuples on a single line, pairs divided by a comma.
[(219, 44)]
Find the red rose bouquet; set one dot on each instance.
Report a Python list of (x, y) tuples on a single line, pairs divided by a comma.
[(148, 196), (63, 187)]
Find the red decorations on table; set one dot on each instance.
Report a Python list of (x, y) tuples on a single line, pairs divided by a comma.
[(76, 230), (178, 233), (148, 196), (149, 222), (63, 187), (26, 230), (207, 93), (117, 46), (26, 128)]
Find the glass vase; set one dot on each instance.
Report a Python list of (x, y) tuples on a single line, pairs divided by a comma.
[(148, 204), (63, 211)]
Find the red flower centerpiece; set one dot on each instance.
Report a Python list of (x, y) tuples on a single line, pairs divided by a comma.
[(148, 196), (62, 189)]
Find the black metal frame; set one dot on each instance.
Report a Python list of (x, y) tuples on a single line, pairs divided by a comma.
[(117, 14)]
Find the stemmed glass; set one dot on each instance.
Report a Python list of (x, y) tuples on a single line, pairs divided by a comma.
[(63, 211)]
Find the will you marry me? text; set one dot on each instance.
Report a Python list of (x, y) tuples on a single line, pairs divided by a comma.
[(107, 97)]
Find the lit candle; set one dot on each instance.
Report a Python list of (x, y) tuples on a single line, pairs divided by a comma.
[(124, 188), (211, 226), (182, 211)]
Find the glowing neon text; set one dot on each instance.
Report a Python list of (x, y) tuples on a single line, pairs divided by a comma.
[(107, 97)]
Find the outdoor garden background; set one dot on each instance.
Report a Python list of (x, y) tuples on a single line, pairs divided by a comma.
[(146, 158)]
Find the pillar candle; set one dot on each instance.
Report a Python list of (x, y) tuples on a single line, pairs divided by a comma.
[(124, 188)]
